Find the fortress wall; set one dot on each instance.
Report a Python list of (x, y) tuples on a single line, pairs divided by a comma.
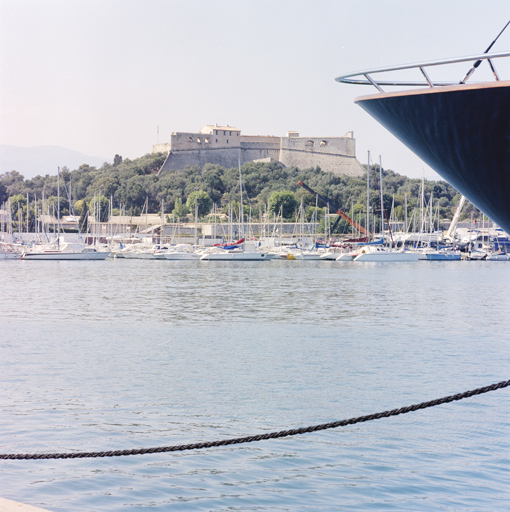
[(223, 147), (161, 148), (177, 160), (328, 145), (266, 139), (336, 164), (258, 150), (198, 141), (258, 154)]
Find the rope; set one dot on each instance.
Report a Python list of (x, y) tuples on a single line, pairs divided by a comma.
[(260, 437)]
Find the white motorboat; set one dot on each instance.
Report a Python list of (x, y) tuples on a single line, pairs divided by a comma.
[(377, 253), (247, 252), (67, 251), (180, 252)]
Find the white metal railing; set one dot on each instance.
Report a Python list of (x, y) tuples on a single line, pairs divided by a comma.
[(366, 77)]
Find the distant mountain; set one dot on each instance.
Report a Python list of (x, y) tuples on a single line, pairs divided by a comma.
[(34, 160)]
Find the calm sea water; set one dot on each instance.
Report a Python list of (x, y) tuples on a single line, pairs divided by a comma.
[(124, 354)]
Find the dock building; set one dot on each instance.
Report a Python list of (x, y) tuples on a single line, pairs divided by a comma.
[(225, 146)]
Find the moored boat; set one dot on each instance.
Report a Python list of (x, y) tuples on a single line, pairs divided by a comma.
[(10, 251), (67, 251), (247, 252), (459, 129), (498, 256), (181, 252), (380, 254), (441, 256)]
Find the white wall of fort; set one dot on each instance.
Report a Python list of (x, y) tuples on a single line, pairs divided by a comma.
[(331, 154), (225, 146)]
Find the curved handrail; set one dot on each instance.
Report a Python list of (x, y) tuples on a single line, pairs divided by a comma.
[(365, 77)]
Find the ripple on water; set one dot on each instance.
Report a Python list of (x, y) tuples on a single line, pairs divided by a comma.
[(124, 354)]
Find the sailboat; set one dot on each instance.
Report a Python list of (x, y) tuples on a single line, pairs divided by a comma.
[(67, 251), (242, 250), (248, 252), (377, 252)]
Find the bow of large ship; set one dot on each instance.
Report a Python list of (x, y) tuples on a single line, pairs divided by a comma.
[(461, 131)]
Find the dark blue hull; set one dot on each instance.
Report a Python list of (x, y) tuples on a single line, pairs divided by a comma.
[(462, 132)]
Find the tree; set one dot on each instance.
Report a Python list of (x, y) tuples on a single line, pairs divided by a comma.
[(203, 200), (52, 203), (108, 185), (12, 181), (3, 193), (18, 200), (133, 191), (135, 183), (84, 218), (101, 205), (284, 200), (79, 206), (180, 210)]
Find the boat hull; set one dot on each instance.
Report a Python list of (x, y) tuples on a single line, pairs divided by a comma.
[(346, 257), (10, 256), (498, 257), (75, 256), (389, 256), (462, 132), (181, 256), (442, 257), (246, 256)]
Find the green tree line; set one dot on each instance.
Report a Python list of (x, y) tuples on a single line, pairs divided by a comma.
[(132, 185)]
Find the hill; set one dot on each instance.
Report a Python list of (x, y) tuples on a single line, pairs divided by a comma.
[(134, 186), (42, 160)]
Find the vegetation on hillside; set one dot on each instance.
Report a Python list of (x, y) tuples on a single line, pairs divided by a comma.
[(131, 185)]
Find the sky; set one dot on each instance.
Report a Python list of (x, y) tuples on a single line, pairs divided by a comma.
[(108, 77)]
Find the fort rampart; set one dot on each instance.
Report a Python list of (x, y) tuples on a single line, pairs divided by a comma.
[(225, 146)]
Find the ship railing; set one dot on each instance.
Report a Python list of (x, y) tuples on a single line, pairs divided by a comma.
[(367, 77)]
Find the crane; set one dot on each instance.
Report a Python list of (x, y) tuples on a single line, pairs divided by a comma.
[(339, 212)]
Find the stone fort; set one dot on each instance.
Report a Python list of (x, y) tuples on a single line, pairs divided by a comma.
[(225, 146)]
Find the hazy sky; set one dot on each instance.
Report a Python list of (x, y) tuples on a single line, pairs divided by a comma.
[(100, 76)]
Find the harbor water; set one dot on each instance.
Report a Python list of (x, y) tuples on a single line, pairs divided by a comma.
[(125, 354)]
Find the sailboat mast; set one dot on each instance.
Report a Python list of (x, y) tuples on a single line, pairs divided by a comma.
[(58, 207), (381, 193), (368, 193), (196, 216), (241, 216), (405, 212)]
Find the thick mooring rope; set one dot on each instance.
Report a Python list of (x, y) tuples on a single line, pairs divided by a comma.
[(260, 437)]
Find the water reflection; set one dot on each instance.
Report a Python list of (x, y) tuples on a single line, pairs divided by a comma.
[(275, 291)]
